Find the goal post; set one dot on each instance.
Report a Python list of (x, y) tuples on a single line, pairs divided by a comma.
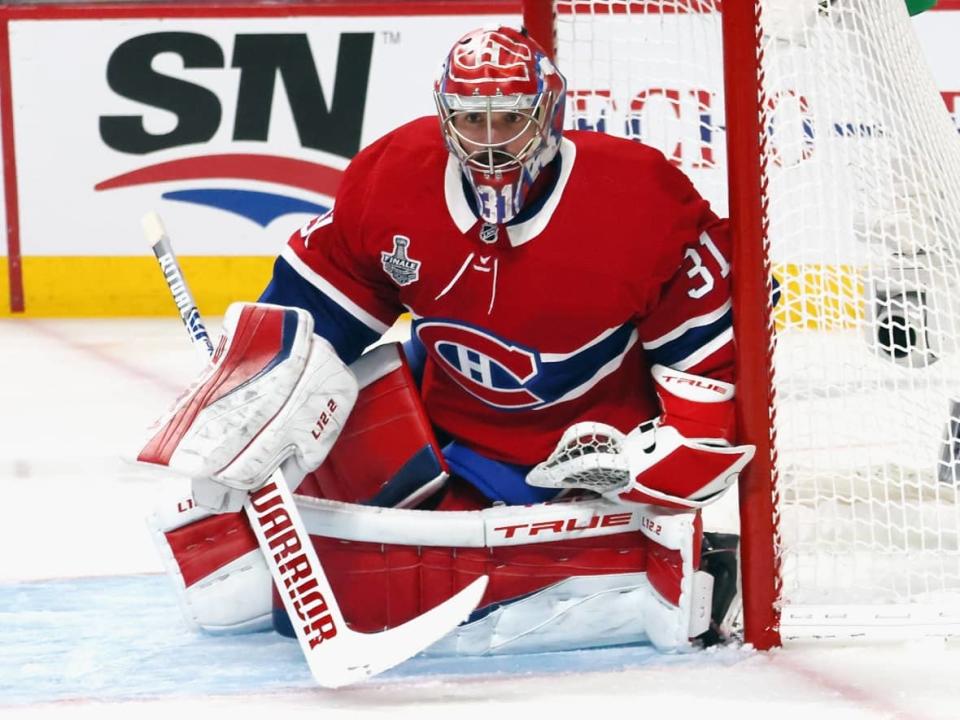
[(760, 571), (816, 127)]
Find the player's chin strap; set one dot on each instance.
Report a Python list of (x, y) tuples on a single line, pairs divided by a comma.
[(657, 462)]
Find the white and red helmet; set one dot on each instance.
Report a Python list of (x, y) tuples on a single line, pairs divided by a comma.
[(501, 71)]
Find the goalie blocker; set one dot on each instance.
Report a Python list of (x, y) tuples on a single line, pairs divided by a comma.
[(562, 575)]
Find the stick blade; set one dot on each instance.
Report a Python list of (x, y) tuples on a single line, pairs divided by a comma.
[(365, 655)]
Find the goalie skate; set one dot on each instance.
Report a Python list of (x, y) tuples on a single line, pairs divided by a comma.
[(719, 557)]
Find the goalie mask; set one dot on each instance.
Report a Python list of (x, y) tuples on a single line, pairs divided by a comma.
[(501, 103)]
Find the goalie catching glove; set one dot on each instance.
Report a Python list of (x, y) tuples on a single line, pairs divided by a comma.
[(683, 459), (274, 391)]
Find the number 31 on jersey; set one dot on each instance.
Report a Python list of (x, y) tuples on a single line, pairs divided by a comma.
[(701, 271)]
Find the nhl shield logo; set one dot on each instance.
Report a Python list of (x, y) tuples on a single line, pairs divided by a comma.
[(488, 233), (398, 265)]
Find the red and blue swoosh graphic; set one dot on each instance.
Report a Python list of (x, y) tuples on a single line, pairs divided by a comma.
[(259, 206)]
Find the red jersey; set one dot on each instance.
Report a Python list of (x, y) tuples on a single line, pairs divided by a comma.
[(528, 327)]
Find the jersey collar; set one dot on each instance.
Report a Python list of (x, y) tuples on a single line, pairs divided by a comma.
[(528, 227)]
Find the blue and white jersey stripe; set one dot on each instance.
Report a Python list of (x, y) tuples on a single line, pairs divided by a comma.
[(693, 340), (343, 323)]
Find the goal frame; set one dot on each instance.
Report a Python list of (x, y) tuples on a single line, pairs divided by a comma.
[(753, 321)]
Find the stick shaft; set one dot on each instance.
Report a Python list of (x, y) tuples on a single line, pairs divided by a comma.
[(170, 266)]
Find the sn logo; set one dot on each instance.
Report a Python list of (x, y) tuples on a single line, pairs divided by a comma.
[(332, 126)]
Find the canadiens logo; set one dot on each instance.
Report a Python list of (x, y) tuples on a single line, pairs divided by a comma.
[(398, 265), (507, 375), (508, 57), (494, 370)]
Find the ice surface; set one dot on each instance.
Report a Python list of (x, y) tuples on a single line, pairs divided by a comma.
[(90, 629)]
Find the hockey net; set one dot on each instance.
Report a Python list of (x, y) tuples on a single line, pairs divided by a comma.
[(849, 189)]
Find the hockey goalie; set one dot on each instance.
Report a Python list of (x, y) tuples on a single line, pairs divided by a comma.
[(560, 415)]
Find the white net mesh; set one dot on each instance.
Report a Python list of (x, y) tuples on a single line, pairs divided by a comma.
[(863, 170)]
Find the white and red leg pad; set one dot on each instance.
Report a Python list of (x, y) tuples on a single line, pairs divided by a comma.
[(387, 454), (561, 576), (384, 585), (220, 577), (679, 606)]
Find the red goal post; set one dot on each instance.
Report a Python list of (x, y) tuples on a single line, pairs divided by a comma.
[(816, 126)]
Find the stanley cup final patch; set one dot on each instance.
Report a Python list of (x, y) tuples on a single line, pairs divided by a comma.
[(398, 264)]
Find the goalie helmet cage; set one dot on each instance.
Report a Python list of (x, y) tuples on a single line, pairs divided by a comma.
[(844, 199)]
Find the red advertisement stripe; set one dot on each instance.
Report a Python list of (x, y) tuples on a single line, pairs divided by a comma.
[(266, 168)]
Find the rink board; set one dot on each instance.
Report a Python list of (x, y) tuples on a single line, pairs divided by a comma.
[(234, 122), (166, 108)]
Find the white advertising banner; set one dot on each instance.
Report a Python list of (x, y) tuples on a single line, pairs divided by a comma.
[(235, 129), (236, 123), (939, 33)]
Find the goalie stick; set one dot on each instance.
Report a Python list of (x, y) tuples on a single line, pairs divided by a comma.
[(335, 654)]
